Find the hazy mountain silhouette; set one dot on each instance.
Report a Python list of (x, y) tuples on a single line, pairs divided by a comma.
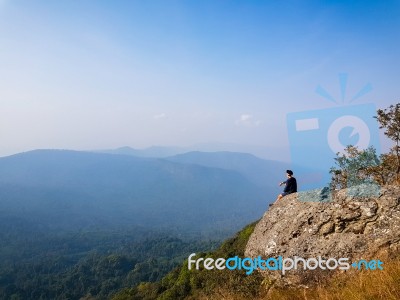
[(265, 173), (59, 189), (153, 151), (262, 152)]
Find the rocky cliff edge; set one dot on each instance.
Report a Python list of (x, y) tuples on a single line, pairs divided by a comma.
[(355, 226)]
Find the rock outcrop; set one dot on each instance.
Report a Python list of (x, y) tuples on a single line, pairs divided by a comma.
[(353, 225)]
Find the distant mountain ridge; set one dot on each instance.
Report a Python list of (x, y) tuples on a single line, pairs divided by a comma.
[(73, 189), (260, 171), (262, 152), (153, 152)]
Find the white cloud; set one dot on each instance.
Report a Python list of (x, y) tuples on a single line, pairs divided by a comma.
[(247, 120), (160, 116)]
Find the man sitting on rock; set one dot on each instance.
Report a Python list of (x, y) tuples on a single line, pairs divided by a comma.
[(290, 185)]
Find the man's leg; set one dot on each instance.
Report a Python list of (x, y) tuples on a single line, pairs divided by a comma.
[(280, 196)]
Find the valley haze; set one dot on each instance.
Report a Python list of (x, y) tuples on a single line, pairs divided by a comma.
[(194, 191)]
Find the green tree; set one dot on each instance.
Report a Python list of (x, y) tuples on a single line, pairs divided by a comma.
[(389, 119), (354, 167)]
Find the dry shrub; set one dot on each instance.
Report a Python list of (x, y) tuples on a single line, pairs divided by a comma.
[(350, 285)]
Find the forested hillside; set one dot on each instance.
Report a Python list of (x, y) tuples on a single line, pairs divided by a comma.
[(81, 224), (38, 265)]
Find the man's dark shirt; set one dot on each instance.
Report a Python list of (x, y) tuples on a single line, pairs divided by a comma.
[(291, 185)]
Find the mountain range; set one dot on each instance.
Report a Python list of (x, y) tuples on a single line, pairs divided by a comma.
[(195, 191)]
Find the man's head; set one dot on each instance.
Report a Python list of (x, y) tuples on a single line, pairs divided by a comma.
[(289, 173)]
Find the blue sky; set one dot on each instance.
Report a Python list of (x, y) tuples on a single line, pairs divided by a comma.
[(104, 74)]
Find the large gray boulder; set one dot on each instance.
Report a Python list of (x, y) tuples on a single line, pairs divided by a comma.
[(354, 225)]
